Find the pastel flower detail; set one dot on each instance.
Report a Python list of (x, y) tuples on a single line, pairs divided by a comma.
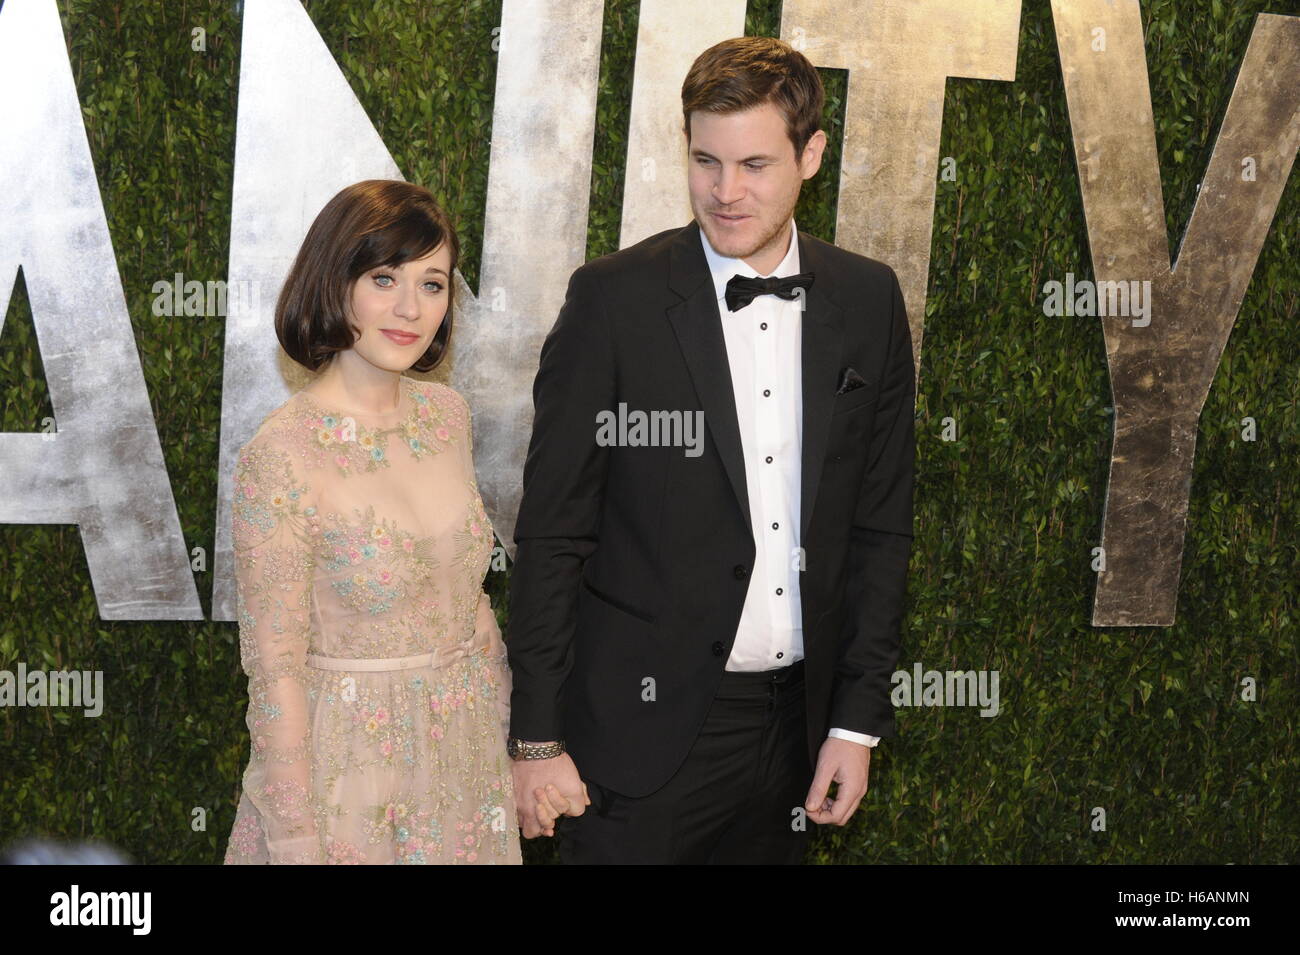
[(403, 765)]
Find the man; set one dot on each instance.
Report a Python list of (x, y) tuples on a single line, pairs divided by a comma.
[(701, 638)]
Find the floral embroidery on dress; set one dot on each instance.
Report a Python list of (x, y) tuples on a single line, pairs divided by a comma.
[(379, 563), (354, 446), (474, 537), (344, 853), (412, 830), (349, 548), (487, 828), (245, 838)]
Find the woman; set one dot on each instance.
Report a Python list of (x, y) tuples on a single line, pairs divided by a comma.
[(378, 690)]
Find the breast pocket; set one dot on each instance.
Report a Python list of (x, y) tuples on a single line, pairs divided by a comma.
[(851, 419), (854, 400)]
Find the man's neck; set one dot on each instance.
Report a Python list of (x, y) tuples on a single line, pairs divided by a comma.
[(765, 262)]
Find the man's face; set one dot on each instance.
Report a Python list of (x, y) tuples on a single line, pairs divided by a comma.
[(744, 181)]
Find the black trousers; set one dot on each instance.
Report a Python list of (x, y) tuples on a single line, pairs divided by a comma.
[(737, 799)]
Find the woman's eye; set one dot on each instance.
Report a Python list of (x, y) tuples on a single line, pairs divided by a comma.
[(437, 286), (383, 275)]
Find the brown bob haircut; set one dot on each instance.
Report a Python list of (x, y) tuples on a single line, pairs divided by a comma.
[(747, 71), (368, 224)]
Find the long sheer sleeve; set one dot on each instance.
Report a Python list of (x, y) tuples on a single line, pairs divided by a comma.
[(485, 621), (273, 570)]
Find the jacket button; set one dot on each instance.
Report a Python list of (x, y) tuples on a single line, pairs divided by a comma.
[(740, 571), (718, 648)]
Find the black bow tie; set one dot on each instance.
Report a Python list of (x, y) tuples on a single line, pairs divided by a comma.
[(741, 291)]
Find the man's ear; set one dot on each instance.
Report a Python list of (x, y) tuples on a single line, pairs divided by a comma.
[(812, 154)]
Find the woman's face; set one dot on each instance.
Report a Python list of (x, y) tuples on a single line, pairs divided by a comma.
[(398, 310)]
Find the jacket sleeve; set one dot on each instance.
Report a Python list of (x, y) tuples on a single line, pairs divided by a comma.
[(880, 545), (559, 513), (273, 571)]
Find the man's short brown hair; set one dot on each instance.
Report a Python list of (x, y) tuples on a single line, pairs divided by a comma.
[(368, 224), (747, 71)]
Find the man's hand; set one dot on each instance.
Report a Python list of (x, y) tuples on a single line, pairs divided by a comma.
[(845, 763), (546, 789)]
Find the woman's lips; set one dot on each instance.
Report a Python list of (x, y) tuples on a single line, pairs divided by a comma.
[(400, 338)]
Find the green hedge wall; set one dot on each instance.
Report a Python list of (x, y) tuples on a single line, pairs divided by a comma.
[(1145, 722)]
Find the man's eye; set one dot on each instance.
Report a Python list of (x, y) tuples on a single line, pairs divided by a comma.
[(753, 166)]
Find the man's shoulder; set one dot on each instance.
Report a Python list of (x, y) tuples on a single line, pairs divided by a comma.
[(639, 259), (846, 262)]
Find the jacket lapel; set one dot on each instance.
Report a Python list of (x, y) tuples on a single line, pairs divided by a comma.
[(698, 326), (822, 333)]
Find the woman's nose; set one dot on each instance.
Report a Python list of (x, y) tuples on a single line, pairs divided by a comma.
[(407, 305)]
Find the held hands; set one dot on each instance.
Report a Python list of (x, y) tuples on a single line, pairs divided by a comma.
[(546, 789), (847, 764)]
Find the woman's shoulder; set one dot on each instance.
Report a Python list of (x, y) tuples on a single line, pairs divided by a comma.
[(281, 426), (443, 401), (270, 481), (281, 445)]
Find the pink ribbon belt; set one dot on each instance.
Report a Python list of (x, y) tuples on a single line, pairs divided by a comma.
[(434, 658)]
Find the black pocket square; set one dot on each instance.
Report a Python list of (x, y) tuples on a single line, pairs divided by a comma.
[(850, 380)]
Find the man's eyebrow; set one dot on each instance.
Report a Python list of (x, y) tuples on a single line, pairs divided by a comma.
[(697, 153)]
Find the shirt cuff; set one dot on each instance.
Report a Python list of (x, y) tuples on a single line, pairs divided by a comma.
[(862, 738)]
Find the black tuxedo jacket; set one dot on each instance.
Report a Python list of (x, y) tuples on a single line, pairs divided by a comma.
[(633, 562)]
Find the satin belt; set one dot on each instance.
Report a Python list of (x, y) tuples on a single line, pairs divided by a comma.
[(441, 657)]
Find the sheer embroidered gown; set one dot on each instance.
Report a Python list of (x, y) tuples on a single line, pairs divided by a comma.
[(378, 688)]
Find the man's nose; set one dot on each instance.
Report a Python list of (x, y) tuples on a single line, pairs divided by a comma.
[(728, 188)]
